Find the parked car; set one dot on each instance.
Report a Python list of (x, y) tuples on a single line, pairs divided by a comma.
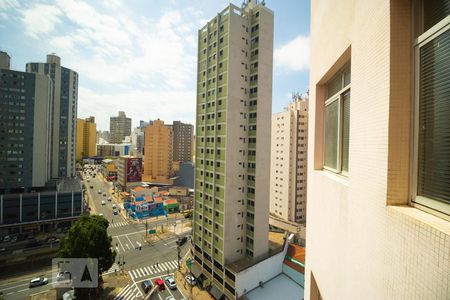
[(146, 286), (170, 282), (99, 191), (181, 240), (14, 239), (190, 280), (38, 281), (109, 199), (103, 202), (160, 283), (114, 206), (7, 238)]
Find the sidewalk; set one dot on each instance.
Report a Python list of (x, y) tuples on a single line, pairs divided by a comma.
[(194, 292)]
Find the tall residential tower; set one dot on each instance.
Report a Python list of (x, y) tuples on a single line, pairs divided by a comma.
[(182, 141), (25, 110), (119, 128), (64, 114), (234, 102), (288, 162), (158, 155), (86, 138)]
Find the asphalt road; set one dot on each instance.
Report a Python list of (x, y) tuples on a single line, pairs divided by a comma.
[(155, 260)]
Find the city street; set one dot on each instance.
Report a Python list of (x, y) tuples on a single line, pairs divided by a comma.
[(153, 260)]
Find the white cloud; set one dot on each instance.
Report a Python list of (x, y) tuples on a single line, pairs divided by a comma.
[(140, 105), (40, 19), (294, 55)]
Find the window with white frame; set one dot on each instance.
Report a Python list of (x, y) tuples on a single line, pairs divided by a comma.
[(337, 122), (431, 170)]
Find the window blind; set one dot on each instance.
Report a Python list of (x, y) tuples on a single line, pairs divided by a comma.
[(434, 120)]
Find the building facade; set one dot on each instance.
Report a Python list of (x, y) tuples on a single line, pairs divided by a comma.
[(105, 150), (86, 138), (182, 141), (233, 122), (129, 170), (119, 128), (288, 162), (64, 114), (25, 111), (378, 156), (158, 152)]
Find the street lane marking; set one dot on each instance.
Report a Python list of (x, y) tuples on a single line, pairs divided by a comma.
[(149, 271), (129, 241), (127, 246), (120, 294), (121, 244), (23, 290)]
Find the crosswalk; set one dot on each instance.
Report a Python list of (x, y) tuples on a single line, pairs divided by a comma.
[(117, 224), (113, 268), (128, 292), (153, 269)]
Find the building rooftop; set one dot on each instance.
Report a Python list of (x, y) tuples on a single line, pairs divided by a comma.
[(275, 247), (69, 185), (170, 201), (271, 289)]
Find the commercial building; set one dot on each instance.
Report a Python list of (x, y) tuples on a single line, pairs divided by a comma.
[(129, 170), (25, 111), (86, 138), (288, 162), (110, 150), (119, 128), (64, 114), (41, 211), (378, 156), (234, 100), (158, 153), (182, 141)]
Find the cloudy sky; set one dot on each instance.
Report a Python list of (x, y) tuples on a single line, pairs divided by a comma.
[(139, 56)]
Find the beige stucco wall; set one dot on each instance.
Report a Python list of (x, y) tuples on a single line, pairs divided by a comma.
[(358, 246)]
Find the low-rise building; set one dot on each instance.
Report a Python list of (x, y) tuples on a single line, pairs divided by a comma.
[(129, 171)]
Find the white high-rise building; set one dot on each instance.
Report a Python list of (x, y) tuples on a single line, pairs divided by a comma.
[(288, 162), (119, 128), (64, 114)]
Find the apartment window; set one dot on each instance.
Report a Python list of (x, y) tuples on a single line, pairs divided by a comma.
[(432, 106), (337, 122)]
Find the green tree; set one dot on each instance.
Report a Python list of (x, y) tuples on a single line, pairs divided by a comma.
[(88, 238)]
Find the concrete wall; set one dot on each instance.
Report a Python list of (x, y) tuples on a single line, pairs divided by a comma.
[(359, 246), (41, 130)]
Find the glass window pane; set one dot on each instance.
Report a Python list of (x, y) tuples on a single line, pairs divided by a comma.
[(345, 130), (434, 120), (434, 11), (331, 134)]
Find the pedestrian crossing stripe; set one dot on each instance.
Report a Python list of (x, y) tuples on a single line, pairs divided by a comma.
[(128, 293), (153, 269), (113, 268), (117, 224)]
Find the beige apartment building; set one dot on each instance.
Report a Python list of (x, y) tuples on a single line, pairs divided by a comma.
[(86, 138), (119, 128), (158, 155), (379, 157), (288, 162), (234, 99)]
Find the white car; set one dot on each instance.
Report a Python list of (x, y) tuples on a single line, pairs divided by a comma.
[(101, 215), (103, 202), (170, 282), (38, 281), (114, 206), (190, 280)]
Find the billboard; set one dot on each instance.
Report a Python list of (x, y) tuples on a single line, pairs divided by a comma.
[(134, 169)]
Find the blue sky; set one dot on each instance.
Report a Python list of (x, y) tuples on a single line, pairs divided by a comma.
[(139, 56)]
